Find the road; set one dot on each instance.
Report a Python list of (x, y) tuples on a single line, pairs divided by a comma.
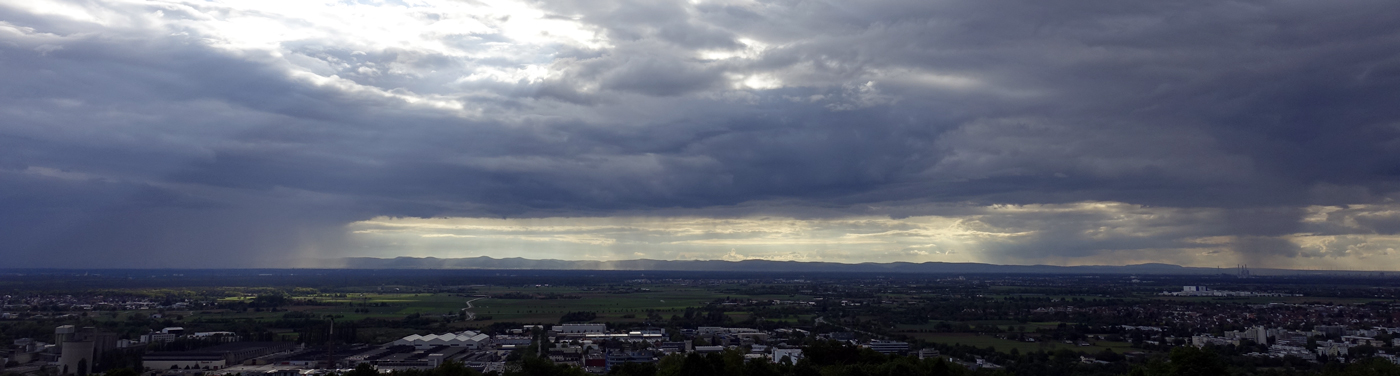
[(470, 316)]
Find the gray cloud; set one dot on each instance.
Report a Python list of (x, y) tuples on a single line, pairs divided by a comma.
[(129, 132)]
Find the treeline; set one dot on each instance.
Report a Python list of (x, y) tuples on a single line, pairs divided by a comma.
[(545, 296), (696, 317), (581, 316)]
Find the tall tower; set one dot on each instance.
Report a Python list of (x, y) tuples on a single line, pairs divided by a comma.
[(330, 347)]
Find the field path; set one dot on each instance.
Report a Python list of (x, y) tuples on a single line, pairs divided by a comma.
[(470, 316)]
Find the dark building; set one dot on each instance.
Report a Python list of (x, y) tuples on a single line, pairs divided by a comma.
[(215, 357)]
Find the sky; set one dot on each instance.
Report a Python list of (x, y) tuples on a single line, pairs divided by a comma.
[(172, 133)]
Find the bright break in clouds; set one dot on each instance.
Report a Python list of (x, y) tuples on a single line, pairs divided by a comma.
[(284, 133)]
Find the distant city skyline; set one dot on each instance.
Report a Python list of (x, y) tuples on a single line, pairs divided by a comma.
[(182, 133)]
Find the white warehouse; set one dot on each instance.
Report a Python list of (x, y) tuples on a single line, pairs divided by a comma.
[(463, 339)]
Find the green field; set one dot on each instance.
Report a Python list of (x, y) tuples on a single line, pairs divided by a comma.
[(491, 304), (525, 305), (1007, 325), (610, 306)]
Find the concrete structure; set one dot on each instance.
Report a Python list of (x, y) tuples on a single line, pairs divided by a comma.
[(400, 357), (1330, 331), (580, 329), (706, 331), (676, 347), (64, 333), (81, 349), (224, 337), (1258, 334), (184, 360), (1359, 340), (708, 349), (1203, 291), (262, 370), (1206, 339), (27, 350), (888, 347), (1332, 349), (76, 358), (571, 355), (215, 357), (793, 355), (467, 339), (1280, 351), (616, 358), (512, 341), (158, 337)]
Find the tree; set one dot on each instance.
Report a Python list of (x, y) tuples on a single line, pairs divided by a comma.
[(451, 369), (633, 369), (1186, 361), (1363, 351), (121, 372), (536, 366), (1372, 367), (269, 301)]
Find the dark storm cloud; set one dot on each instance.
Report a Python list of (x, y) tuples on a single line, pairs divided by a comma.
[(139, 136)]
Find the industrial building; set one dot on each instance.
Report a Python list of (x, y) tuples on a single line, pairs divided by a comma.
[(579, 330), (888, 347), (468, 339), (81, 350), (401, 357), (215, 357)]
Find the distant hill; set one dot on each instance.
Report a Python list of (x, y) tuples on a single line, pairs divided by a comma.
[(484, 262)]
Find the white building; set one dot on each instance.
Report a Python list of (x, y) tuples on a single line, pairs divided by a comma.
[(468, 339), (1359, 340), (1206, 339), (888, 347), (1280, 351), (1257, 334), (510, 340), (793, 355), (1332, 349)]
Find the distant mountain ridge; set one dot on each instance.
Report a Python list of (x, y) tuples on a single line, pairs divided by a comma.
[(485, 262)]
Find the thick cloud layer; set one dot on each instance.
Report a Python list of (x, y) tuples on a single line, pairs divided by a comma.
[(193, 133)]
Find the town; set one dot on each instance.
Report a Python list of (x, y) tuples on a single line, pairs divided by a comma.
[(648, 323)]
